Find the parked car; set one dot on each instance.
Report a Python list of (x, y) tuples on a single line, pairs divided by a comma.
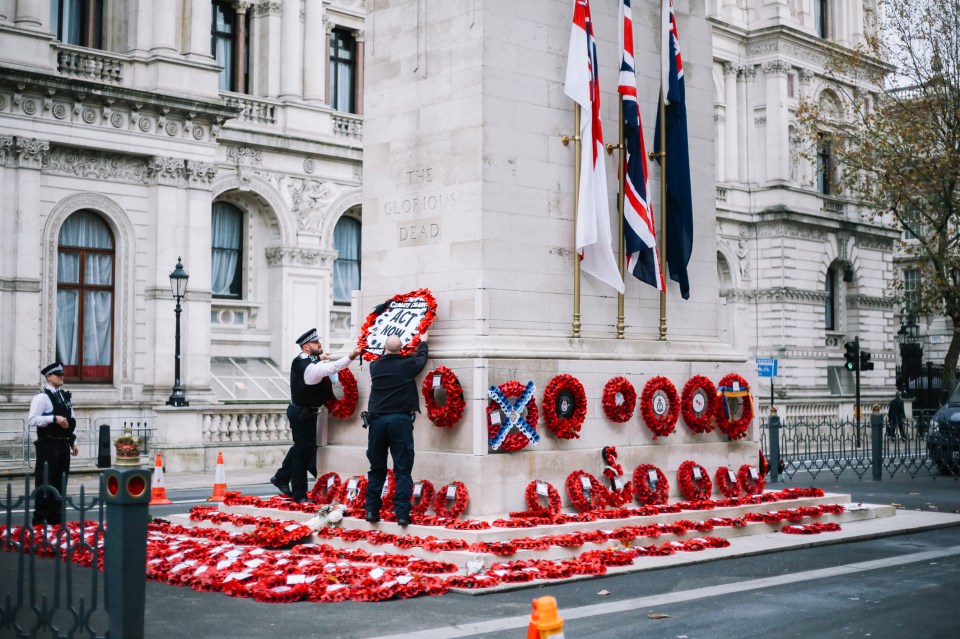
[(943, 435)]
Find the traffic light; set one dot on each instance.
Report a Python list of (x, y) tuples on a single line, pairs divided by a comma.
[(852, 355), (865, 363)]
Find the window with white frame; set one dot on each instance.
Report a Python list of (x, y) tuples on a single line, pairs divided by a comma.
[(346, 269), (226, 250)]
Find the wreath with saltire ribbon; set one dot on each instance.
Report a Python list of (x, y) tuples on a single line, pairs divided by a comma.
[(752, 485), (326, 489), (460, 501), (727, 482), (356, 496), (448, 415), (619, 399), (645, 489), (374, 319), (345, 406), (734, 394), (564, 406), (427, 492), (500, 433), (698, 404), (585, 491), (694, 489), (534, 491), (660, 406)]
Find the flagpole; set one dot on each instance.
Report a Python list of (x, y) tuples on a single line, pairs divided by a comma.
[(662, 154), (621, 242), (576, 202)]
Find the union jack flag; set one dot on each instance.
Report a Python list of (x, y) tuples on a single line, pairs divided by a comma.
[(593, 237), (640, 235)]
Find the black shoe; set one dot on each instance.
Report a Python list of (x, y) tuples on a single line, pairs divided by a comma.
[(403, 522), (372, 517), (283, 488), (301, 500)]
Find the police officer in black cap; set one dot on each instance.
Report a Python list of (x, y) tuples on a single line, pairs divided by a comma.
[(309, 389), (51, 413)]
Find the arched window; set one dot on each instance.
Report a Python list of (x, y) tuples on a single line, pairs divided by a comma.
[(346, 270), (85, 265), (227, 250), (830, 307), (343, 69)]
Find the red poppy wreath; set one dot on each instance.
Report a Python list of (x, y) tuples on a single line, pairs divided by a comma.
[(698, 404), (619, 399), (650, 485), (727, 482), (398, 316), (353, 492), (423, 498), (345, 406), (326, 489), (659, 406), (585, 492), (451, 412), (564, 406), (692, 487), (537, 489), (734, 398), (751, 480), (515, 440), (459, 497)]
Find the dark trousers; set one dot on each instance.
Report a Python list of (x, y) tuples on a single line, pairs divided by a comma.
[(895, 425), (55, 455), (303, 454), (392, 432)]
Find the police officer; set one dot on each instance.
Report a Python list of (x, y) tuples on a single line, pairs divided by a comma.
[(394, 403), (310, 388), (51, 413)]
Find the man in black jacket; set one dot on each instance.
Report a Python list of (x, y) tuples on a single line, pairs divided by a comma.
[(309, 389), (51, 413), (394, 402), (896, 415)]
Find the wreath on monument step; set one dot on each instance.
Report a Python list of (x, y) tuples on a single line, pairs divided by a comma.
[(353, 492), (735, 406), (586, 493), (386, 495), (727, 482), (660, 406), (451, 412), (650, 485), (751, 480), (619, 399), (515, 440), (345, 406), (698, 404), (420, 501), (326, 489), (619, 492), (460, 499), (564, 406), (694, 481), (537, 489)]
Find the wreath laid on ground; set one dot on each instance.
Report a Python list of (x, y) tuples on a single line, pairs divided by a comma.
[(660, 406), (735, 397), (513, 441), (345, 406), (420, 502), (460, 500), (650, 489), (698, 404), (585, 491), (326, 489), (727, 482), (416, 302), (537, 489), (752, 482), (451, 412), (353, 492), (692, 487), (619, 399), (564, 406)]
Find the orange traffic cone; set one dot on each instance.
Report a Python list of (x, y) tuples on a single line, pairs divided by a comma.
[(219, 481), (544, 621), (158, 494)]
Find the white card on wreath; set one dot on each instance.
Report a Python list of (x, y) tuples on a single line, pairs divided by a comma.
[(437, 381), (585, 482), (542, 488), (618, 483), (696, 473), (652, 477), (451, 492), (417, 489), (330, 481), (731, 476), (753, 474), (495, 418)]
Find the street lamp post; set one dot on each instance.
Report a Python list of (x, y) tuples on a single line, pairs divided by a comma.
[(911, 352), (178, 286)]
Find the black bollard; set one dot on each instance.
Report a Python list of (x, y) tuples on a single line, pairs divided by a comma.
[(876, 432), (127, 496), (774, 446), (103, 447)]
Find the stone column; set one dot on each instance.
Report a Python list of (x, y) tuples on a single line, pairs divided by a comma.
[(731, 140), (33, 14), (777, 164), (268, 60), (164, 27), (314, 38), (291, 51), (328, 29), (360, 36), (6, 10), (139, 25), (745, 111), (241, 53), (199, 17)]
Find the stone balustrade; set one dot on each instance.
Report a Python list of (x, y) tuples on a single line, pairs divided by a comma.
[(254, 110), (348, 125), (81, 63), (242, 424)]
